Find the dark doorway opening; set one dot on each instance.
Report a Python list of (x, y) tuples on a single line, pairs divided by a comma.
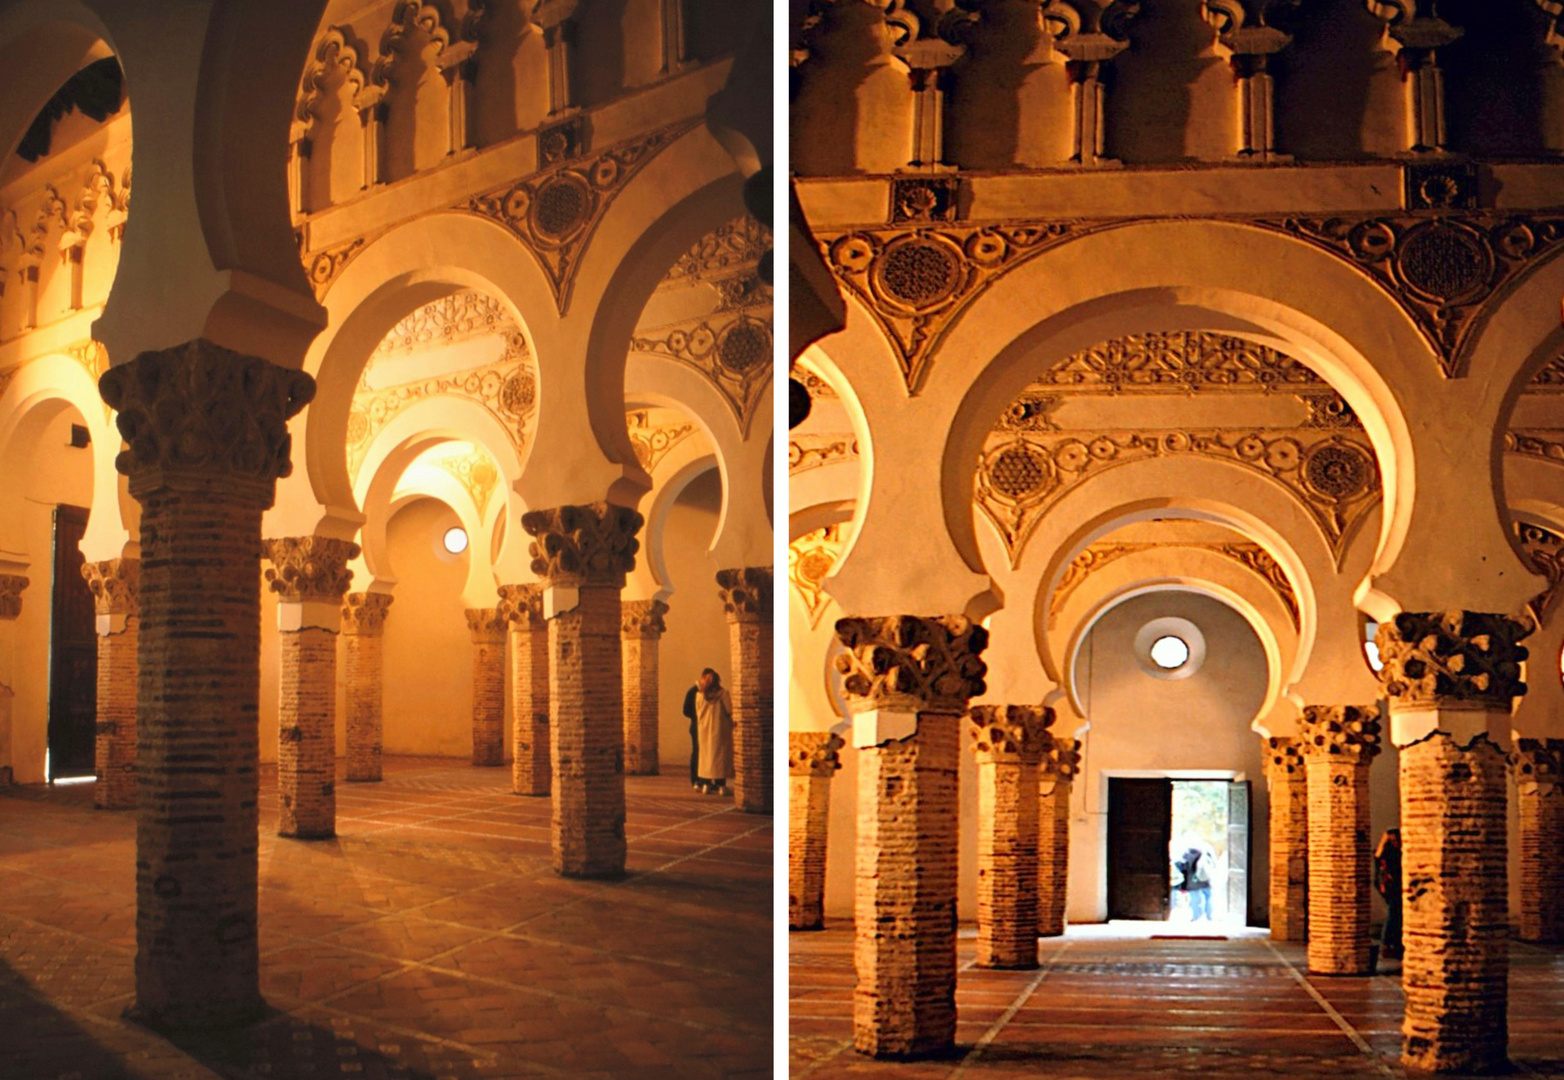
[(73, 654), (1154, 824)]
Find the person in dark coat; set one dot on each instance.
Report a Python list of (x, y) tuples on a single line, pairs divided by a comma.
[(1387, 880), (695, 742)]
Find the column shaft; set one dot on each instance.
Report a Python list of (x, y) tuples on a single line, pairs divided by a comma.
[(1340, 867), (586, 736), (1060, 761), (115, 588), (747, 597), (641, 629), (1538, 765), (306, 731), (364, 661), (530, 696), (489, 630), (812, 761), (1289, 838)]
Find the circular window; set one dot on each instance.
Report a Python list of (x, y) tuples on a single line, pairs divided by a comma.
[(1169, 652), (1170, 648), (455, 540)]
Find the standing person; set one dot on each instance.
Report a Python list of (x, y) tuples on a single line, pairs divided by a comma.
[(695, 742), (714, 712), (1195, 866), (1387, 880)]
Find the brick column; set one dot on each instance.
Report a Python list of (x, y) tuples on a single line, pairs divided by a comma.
[(1008, 741), (813, 759), (522, 608), (363, 633), (208, 439), (747, 598), (1538, 766), (310, 576), (1287, 782), (488, 628), (1451, 678), (1056, 769), (582, 554), (11, 586), (641, 625), (1338, 743), (907, 681), (115, 586)]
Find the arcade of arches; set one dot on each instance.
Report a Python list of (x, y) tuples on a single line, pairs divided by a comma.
[(434, 346), (1176, 399)]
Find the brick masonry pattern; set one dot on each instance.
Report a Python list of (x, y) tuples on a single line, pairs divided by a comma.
[(813, 758)]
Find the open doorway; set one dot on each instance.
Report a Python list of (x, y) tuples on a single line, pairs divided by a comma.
[(1178, 850), (73, 655)]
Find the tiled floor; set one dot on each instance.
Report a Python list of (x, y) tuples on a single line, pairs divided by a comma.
[(1121, 1006), (429, 939)]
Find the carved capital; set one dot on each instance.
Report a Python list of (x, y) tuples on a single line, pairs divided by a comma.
[(365, 613), (1538, 765), (1060, 761), (115, 585), (911, 662), (642, 618), (11, 586), (1010, 734), (487, 625), (201, 410), (522, 605), (814, 753), (309, 569), (583, 545), (1452, 659), (746, 593), (1283, 760), (1340, 732)]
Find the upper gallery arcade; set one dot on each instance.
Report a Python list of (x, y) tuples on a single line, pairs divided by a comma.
[(1232, 323)]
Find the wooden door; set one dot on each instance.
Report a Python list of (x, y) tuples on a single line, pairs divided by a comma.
[(73, 653), (1238, 852), (1140, 828)]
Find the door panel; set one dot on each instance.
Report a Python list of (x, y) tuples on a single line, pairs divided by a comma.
[(73, 653), (1238, 852), (1140, 827)]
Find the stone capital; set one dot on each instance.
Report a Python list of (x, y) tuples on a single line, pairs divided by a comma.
[(642, 618), (1283, 760), (309, 569), (11, 586), (583, 545), (364, 613), (1538, 765), (115, 585), (199, 411), (488, 626), (1346, 733), (746, 593), (1060, 760), (1009, 734), (522, 605), (1452, 660), (814, 753), (911, 663)]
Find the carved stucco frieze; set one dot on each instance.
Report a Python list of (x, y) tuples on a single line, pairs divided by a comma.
[(1182, 362), (1249, 555), (732, 351), (1333, 474), (1009, 734), (592, 544), (201, 409), (911, 663), (309, 568), (815, 754), (522, 605), (809, 561), (805, 452), (731, 249), (1339, 732), (653, 442), (1452, 659), (365, 612), (747, 593), (11, 586), (474, 471), (115, 585), (1538, 764), (642, 618)]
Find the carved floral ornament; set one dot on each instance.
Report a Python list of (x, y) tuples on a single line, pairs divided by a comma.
[(1538, 765), (1009, 734), (522, 605), (592, 545), (642, 618), (654, 442), (814, 754), (1061, 760), (809, 561), (309, 568), (1339, 733), (475, 472), (913, 663), (1249, 555), (805, 452), (1543, 550), (1333, 474), (11, 586), (365, 612), (1452, 659), (1283, 759), (487, 626), (746, 593), (733, 352), (115, 585)]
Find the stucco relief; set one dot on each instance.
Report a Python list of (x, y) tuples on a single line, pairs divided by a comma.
[(651, 441), (805, 452), (1182, 361), (1096, 556), (1544, 551), (733, 352), (809, 560), (472, 469)]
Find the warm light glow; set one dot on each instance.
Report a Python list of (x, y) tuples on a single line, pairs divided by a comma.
[(1169, 653), (456, 540), (74, 779)]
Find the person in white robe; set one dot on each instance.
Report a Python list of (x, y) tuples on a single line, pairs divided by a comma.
[(714, 720)]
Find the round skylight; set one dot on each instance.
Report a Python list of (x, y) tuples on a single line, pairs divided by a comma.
[(455, 539), (1169, 652)]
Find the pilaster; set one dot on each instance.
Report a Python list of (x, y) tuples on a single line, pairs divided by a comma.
[(747, 600), (813, 758), (363, 632), (641, 627)]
